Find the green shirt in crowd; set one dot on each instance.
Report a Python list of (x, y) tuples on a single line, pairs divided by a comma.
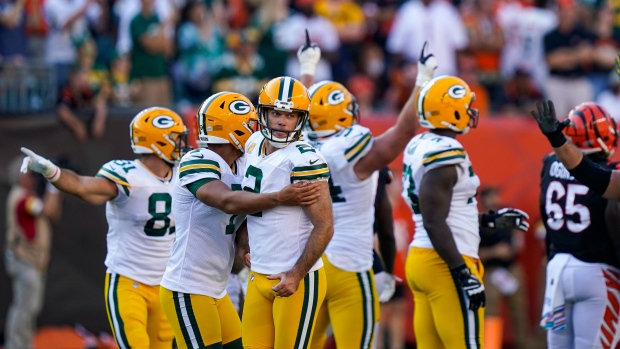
[(143, 63)]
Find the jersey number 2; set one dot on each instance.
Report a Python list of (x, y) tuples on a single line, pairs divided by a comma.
[(257, 173), (149, 228), (556, 213)]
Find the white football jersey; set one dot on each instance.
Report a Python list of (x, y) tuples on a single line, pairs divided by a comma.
[(278, 236), (141, 226), (203, 253), (428, 151), (353, 200)]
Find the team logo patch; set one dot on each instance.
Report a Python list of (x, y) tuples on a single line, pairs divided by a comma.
[(239, 107), (457, 91), (335, 97), (163, 121)]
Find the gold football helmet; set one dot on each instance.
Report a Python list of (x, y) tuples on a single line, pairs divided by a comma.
[(226, 117), (445, 102), (332, 108), (283, 94), (158, 131)]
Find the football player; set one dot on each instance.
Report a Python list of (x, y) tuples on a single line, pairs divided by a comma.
[(287, 280), (582, 297), (602, 180), (209, 207), (354, 157), (439, 183), (138, 197)]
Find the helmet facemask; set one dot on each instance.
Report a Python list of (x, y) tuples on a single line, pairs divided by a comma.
[(267, 131), (179, 142)]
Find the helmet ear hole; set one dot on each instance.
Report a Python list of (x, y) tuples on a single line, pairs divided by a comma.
[(161, 144), (239, 133), (457, 115)]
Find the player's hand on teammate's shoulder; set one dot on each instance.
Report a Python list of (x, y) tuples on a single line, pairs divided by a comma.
[(299, 194), (289, 282), (506, 218)]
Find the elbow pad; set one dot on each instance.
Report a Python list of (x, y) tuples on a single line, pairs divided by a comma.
[(591, 175)]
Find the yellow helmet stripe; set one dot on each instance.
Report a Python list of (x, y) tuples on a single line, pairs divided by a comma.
[(357, 148)]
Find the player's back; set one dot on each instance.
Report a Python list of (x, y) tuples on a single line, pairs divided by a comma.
[(428, 151), (141, 226), (353, 200), (203, 253), (278, 235), (574, 216)]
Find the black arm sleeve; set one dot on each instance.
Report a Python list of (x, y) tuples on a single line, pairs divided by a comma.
[(591, 175)]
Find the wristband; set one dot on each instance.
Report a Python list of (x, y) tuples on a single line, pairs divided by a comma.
[(592, 175), (556, 138), (307, 68), (54, 177)]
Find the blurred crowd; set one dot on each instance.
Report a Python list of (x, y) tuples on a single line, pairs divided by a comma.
[(121, 53)]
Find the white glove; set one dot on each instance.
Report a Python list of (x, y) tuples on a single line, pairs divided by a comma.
[(426, 66), (389, 286), (309, 55), (39, 164)]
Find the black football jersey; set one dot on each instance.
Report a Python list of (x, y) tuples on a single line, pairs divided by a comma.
[(574, 216)]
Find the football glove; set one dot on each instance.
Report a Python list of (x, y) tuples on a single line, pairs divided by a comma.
[(389, 286), (549, 124), (470, 285), (309, 55), (39, 164), (506, 218), (426, 66)]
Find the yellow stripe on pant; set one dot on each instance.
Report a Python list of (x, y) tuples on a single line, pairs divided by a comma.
[(135, 314), (441, 316), (281, 322), (202, 322), (351, 306)]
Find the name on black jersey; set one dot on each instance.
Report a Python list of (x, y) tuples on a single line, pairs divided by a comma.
[(557, 170)]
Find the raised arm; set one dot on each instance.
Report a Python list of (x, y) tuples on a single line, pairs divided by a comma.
[(93, 190), (217, 194), (602, 180), (390, 144), (322, 218)]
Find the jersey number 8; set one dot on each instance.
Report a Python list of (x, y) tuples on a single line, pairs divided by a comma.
[(149, 228)]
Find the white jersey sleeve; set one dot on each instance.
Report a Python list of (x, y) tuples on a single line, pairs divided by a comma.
[(309, 165), (199, 165), (116, 171), (442, 152)]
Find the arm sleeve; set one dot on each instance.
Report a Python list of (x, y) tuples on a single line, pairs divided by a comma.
[(197, 169), (116, 174), (443, 154), (309, 166), (354, 143)]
